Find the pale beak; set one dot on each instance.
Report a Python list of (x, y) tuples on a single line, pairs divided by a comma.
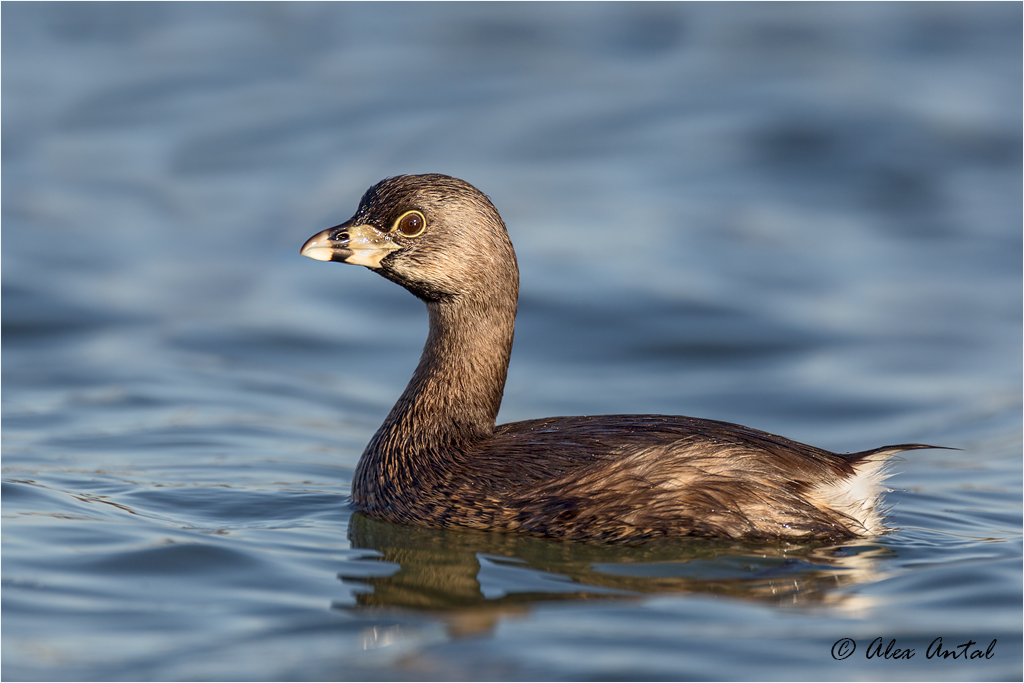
[(360, 245)]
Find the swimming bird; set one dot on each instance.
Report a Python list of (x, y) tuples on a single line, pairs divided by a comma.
[(438, 459)]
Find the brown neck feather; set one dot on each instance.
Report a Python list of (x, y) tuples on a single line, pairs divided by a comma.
[(451, 401)]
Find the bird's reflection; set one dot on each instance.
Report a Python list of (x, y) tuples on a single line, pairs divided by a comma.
[(475, 578)]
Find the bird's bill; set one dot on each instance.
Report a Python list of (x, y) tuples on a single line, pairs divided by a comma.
[(360, 245)]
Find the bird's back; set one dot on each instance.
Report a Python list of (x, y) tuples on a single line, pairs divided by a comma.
[(632, 477)]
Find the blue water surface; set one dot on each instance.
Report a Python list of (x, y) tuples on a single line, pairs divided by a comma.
[(804, 218)]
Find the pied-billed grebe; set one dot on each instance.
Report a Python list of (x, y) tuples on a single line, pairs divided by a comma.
[(439, 460)]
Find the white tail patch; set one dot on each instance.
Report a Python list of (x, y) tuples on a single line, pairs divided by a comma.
[(857, 496)]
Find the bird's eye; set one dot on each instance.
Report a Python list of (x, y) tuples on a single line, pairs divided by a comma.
[(410, 224)]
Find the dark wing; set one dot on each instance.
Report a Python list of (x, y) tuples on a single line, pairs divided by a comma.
[(619, 477)]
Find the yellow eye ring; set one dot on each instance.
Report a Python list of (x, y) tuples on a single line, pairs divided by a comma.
[(410, 224)]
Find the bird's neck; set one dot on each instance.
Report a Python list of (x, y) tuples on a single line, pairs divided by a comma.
[(451, 401)]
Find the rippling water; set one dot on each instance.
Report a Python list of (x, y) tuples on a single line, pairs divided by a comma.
[(803, 218)]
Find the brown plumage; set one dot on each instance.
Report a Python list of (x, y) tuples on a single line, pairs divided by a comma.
[(438, 459)]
